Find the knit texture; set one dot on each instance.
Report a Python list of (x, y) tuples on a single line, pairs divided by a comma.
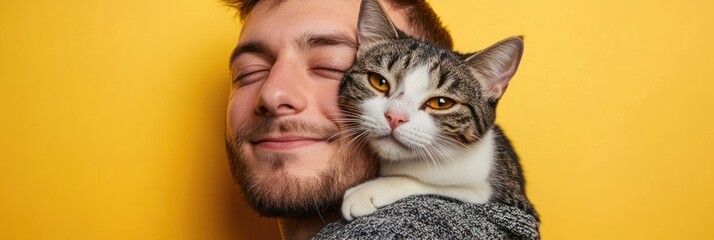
[(437, 217)]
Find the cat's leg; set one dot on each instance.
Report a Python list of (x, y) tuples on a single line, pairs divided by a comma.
[(365, 198)]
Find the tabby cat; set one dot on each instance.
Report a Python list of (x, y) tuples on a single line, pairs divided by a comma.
[(428, 113)]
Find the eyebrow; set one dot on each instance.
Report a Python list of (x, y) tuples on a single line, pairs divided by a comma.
[(249, 47), (304, 42), (312, 40)]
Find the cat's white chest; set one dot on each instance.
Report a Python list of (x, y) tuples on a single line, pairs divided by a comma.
[(463, 167), (465, 179)]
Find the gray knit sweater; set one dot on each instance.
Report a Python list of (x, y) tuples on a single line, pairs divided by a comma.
[(436, 217)]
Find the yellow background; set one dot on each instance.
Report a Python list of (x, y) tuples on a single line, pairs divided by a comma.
[(112, 116)]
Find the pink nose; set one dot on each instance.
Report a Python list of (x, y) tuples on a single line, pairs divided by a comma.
[(395, 119)]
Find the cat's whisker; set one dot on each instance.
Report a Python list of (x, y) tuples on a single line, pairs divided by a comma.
[(451, 142), (363, 139), (347, 122), (349, 147), (349, 134), (344, 113), (435, 147), (427, 150), (439, 151), (444, 152), (424, 157), (448, 146), (358, 139), (347, 131), (347, 111), (348, 118)]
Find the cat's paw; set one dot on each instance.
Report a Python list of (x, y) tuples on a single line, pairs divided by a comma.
[(358, 202), (366, 198)]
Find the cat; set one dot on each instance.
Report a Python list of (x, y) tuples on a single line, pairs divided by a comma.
[(428, 114)]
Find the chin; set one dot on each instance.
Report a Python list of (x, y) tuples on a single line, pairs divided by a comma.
[(305, 167), (391, 150), (297, 184), (308, 162)]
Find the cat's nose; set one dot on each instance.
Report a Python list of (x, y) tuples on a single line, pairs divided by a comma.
[(396, 119)]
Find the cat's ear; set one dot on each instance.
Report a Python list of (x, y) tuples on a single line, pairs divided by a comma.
[(497, 64), (373, 24)]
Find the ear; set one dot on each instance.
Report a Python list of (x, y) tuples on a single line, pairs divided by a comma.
[(373, 24), (497, 64)]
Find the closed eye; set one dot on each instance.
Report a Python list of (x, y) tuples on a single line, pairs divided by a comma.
[(330, 73), (248, 77)]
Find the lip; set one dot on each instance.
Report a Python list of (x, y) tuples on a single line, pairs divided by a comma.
[(284, 143)]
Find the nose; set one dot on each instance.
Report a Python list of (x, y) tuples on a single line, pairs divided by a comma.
[(284, 91), (396, 119)]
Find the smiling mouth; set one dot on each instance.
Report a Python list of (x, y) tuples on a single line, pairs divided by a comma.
[(284, 143)]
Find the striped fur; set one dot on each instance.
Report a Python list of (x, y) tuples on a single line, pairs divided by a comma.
[(457, 152)]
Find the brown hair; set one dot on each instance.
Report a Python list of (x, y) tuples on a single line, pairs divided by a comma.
[(421, 17)]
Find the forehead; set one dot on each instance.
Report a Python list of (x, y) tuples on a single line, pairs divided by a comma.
[(270, 21)]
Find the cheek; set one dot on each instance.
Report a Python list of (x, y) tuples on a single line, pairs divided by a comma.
[(372, 116), (326, 98), (425, 122), (240, 107)]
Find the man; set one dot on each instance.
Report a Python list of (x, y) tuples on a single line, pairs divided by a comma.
[(290, 58)]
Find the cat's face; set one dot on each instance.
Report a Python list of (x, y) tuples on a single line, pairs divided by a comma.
[(412, 100), (415, 101)]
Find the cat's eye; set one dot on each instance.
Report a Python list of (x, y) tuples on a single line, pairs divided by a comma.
[(440, 103), (378, 82)]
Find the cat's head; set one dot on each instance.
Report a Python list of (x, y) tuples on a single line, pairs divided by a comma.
[(413, 100)]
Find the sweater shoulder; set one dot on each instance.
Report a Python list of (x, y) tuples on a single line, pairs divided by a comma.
[(435, 217)]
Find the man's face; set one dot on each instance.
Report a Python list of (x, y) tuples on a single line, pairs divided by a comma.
[(283, 108)]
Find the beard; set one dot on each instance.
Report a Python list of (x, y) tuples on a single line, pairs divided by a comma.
[(279, 193)]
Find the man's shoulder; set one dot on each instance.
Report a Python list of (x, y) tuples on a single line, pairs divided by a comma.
[(436, 217)]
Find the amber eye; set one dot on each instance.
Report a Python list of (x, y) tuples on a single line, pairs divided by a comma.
[(440, 103), (378, 82)]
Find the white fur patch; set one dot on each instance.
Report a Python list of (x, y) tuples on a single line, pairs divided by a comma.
[(466, 167), (416, 83), (373, 116), (464, 178)]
